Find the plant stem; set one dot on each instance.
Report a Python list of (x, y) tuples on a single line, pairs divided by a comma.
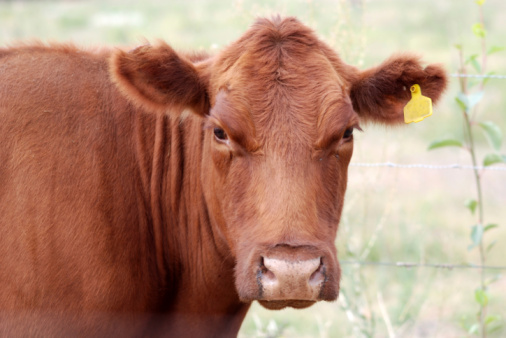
[(483, 47), (480, 215), (471, 147), (483, 310)]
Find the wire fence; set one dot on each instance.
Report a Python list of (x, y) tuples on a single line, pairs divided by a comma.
[(480, 76), (433, 167), (428, 166), (423, 265), (444, 166)]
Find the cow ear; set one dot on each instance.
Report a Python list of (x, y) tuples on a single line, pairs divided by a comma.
[(379, 94), (156, 78)]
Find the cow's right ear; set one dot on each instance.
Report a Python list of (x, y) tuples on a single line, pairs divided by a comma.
[(156, 78)]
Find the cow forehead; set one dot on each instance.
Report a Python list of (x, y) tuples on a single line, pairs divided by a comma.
[(278, 77), (290, 116), (278, 52)]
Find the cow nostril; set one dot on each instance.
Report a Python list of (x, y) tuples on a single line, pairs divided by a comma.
[(318, 276), (266, 273)]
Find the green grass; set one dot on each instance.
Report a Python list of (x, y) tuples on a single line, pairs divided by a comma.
[(416, 215)]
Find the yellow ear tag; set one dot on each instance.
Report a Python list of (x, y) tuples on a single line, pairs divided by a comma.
[(419, 107)]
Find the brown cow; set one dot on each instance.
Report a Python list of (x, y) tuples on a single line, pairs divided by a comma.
[(152, 193)]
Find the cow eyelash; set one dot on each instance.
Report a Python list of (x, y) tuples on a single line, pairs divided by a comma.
[(220, 134), (348, 134)]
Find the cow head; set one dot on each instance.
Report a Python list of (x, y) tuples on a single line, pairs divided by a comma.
[(279, 109)]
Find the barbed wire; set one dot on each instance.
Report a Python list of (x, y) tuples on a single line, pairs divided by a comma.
[(423, 265), (445, 266), (427, 166), (479, 76)]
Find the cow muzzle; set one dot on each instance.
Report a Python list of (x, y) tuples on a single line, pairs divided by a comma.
[(282, 278), (295, 276)]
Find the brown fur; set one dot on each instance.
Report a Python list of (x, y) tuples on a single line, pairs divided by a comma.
[(122, 215)]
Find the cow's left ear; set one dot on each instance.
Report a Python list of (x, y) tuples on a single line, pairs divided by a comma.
[(379, 94), (156, 78)]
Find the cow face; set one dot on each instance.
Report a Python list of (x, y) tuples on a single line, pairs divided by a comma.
[(279, 109)]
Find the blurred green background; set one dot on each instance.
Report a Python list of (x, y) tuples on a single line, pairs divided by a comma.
[(391, 214)]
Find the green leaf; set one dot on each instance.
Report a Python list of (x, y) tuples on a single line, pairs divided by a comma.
[(462, 104), (476, 65), (480, 2), (458, 46), (476, 235), (493, 159), (490, 227), (471, 204), (492, 279), (490, 246), (472, 60), (493, 329), (479, 30), (481, 297), (473, 329), (495, 49), (486, 79), (474, 99), (463, 101), (493, 134), (445, 143), (491, 318), (473, 82)]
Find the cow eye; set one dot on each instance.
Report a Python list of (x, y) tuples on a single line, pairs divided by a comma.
[(348, 134), (220, 134)]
